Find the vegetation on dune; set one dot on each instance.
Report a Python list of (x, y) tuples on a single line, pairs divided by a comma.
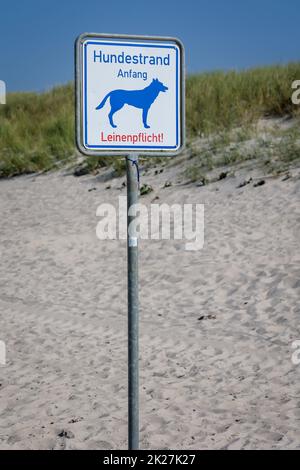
[(37, 130), (223, 100), (274, 150)]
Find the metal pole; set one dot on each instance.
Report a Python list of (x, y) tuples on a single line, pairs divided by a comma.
[(133, 309)]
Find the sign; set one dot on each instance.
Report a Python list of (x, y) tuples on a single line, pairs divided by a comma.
[(130, 100), (130, 95)]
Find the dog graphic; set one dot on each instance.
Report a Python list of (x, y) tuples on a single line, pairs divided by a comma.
[(141, 99)]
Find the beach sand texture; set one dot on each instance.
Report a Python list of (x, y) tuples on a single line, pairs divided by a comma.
[(216, 325)]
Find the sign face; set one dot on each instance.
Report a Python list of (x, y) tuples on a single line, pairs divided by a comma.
[(130, 95)]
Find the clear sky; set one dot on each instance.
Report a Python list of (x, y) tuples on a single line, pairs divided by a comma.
[(37, 36)]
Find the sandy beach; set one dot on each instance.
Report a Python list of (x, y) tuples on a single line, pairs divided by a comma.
[(216, 325)]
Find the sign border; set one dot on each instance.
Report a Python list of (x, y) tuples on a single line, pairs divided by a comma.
[(84, 105), (155, 152)]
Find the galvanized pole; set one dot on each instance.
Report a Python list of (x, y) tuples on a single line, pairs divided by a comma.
[(133, 307)]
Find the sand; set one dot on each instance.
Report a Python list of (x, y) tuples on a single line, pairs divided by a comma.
[(216, 326)]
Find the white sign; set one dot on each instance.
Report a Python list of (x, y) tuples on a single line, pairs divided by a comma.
[(129, 95)]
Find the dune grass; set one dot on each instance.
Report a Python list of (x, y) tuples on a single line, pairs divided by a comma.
[(37, 130), (223, 100)]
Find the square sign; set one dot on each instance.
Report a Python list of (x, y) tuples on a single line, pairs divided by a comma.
[(130, 95)]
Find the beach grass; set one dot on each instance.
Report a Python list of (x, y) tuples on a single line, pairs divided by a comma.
[(224, 100)]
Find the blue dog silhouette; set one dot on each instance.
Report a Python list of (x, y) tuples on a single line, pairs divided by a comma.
[(141, 99)]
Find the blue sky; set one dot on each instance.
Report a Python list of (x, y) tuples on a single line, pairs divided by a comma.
[(37, 36)]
